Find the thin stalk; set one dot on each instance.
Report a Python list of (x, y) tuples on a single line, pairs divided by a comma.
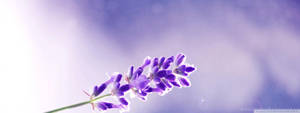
[(78, 104)]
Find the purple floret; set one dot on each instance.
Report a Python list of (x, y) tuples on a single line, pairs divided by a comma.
[(119, 77), (99, 90), (123, 101), (184, 82), (179, 59), (155, 62), (189, 69), (161, 85), (124, 88)]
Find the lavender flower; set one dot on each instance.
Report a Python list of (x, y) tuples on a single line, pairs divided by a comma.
[(164, 75), (141, 84)]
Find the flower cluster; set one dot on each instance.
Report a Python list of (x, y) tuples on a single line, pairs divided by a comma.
[(164, 74)]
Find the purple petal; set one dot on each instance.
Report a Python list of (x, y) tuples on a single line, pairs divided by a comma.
[(99, 89), (184, 82), (156, 79), (95, 92), (167, 83), (189, 69), (149, 89), (117, 85), (161, 61), (140, 82), (124, 88), (108, 105), (161, 73), (170, 77), (102, 106), (143, 84), (146, 62), (120, 93), (110, 80), (155, 70), (161, 86), (168, 72), (180, 59), (142, 93), (123, 101), (181, 68), (155, 62), (131, 71), (138, 72), (168, 62), (178, 56), (119, 77), (174, 83)]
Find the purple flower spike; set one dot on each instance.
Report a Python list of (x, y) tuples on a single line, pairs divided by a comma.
[(189, 69), (99, 90), (123, 101), (184, 82), (124, 88), (180, 59), (171, 77), (119, 77), (161, 85), (155, 62), (161, 78)]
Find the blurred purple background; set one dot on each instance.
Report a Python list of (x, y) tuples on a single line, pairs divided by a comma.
[(247, 52)]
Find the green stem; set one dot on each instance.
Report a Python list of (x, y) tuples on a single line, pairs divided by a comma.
[(78, 104)]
